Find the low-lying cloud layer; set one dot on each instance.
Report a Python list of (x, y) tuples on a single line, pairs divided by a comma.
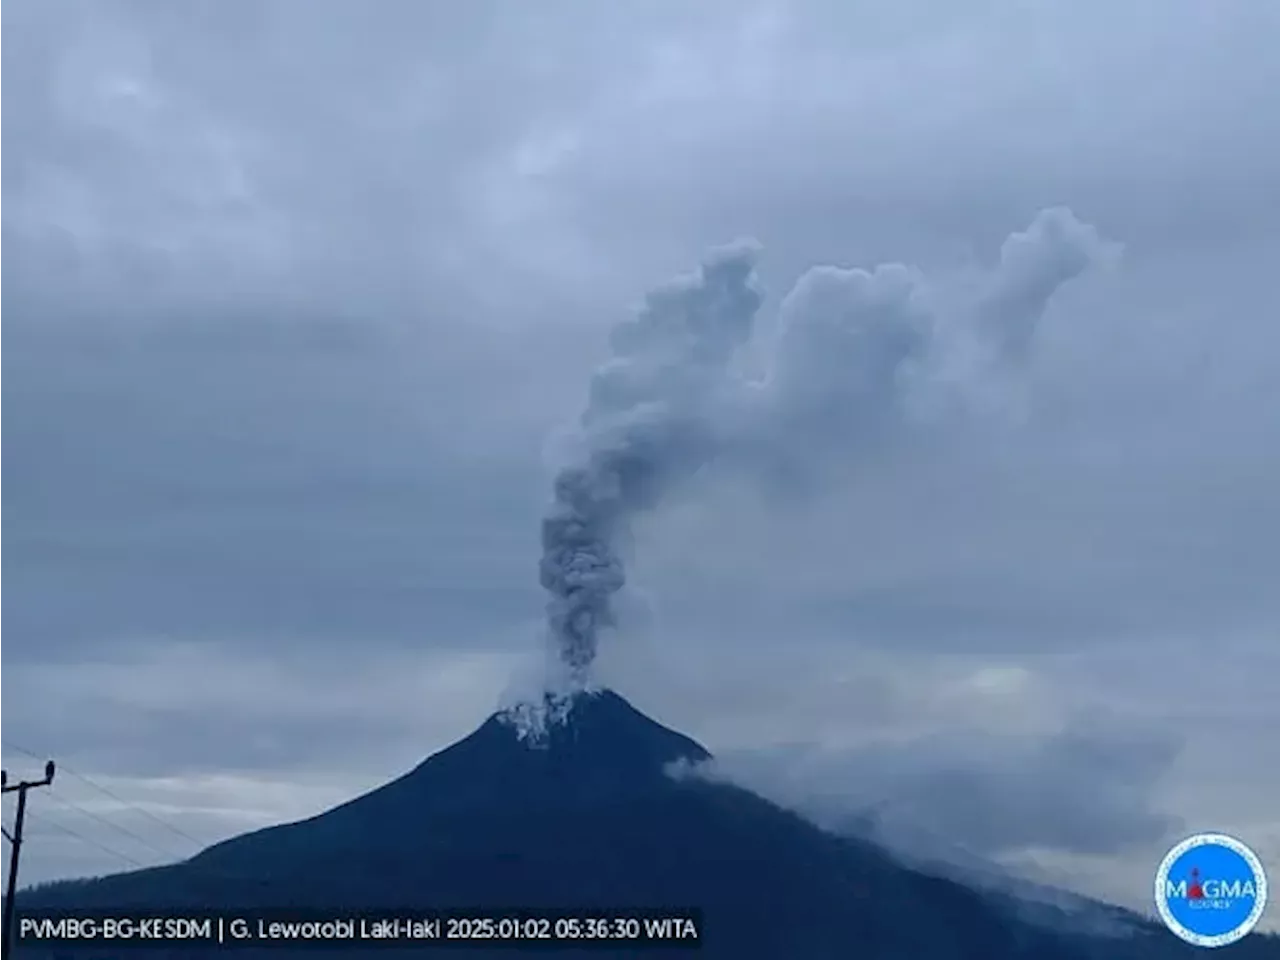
[(1080, 790)]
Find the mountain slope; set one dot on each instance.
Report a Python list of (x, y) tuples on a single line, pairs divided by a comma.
[(591, 818)]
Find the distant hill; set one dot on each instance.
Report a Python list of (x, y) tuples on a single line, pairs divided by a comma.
[(590, 818)]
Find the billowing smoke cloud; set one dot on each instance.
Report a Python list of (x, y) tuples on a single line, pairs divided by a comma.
[(1033, 265), (853, 348), (647, 424)]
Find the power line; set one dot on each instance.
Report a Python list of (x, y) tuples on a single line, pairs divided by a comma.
[(13, 746), (176, 831), (196, 880), (89, 840), (59, 798), (200, 844), (193, 876)]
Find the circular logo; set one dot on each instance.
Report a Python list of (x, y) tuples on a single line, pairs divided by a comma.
[(1211, 890)]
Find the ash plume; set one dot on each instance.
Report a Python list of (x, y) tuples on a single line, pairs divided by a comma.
[(647, 425), (854, 346)]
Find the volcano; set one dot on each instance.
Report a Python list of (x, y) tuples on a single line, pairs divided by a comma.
[(590, 815)]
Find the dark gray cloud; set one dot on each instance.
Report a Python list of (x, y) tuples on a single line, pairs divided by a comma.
[(295, 293), (277, 713), (647, 425), (239, 477)]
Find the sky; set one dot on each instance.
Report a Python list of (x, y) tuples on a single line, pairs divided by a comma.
[(303, 300)]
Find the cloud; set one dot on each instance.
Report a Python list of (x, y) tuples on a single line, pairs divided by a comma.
[(946, 756), (294, 293), (647, 426), (847, 338), (1034, 263), (263, 712), (1082, 790), (669, 402), (864, 356), (154, 766), (237, 476)]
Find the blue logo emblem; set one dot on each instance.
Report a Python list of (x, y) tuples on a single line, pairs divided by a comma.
[(1211, 890)]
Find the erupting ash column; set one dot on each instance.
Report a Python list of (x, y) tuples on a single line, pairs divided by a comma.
[(853, 347), (647, 424)]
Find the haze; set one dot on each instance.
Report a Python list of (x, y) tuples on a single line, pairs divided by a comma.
[(302, 298)]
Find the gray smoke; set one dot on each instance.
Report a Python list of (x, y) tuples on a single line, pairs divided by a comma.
[(853, 345), (647, 424)]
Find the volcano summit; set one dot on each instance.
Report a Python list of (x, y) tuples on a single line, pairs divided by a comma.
[(590, 815)]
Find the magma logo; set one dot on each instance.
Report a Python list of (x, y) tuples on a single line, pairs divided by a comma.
[(1211, 890)]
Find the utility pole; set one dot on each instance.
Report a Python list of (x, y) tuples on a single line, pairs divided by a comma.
[(15, 842)]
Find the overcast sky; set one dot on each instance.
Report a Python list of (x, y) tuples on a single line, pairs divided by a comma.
[(300, 298)]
